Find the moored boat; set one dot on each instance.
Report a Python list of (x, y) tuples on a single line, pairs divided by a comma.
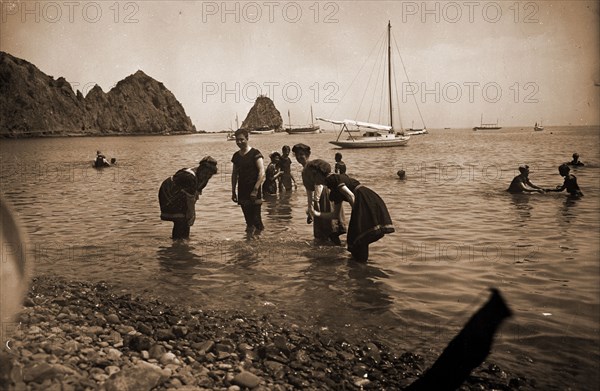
[(375, 135)]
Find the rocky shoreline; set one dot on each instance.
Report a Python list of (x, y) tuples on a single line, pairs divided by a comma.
[(77, 335)]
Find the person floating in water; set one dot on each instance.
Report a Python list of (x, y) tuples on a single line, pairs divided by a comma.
[(522, 184), (178, 195), (570, 183), (401, 174), (340, 166), (285, 165), (370, 219), (101, 160), (248, 176), (272, 172), (575, 162)]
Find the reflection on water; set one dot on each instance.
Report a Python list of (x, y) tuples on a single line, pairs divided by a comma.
[(279, 207), (369, 288), (179, 258), (522, 207), (458, 232)]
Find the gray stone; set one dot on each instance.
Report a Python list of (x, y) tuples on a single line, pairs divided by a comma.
[(246, 379), (113, 318), (142, 377), (156, 351)]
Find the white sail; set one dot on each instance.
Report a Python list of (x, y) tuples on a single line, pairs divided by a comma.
[(350, 122)]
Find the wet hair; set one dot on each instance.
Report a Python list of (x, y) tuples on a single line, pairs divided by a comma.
[(320, 166), (301, 148), (285, 148), (243, 132), (564, 169), (208, 163), (338, 156), (401, 174), (274, 155), (523, 168), (575, 155)]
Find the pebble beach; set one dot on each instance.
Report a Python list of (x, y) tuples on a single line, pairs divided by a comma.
[(76, 335)]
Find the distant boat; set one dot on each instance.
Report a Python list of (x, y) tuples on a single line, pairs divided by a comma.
[(537, 127), (377, 135), (310, 129), (231, 134), (416, 131), (263, 130), (490, 126)]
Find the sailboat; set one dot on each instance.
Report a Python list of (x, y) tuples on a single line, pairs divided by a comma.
[(310, 129), (231, 135), (489, 126), (263, 130), (539, 127), (416, 131), (377, 135)]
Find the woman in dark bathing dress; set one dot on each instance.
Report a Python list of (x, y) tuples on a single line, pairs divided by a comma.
[(318, 199), (370, 219), (178, 195)]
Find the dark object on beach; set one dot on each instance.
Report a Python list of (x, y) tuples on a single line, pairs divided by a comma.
[(401, 174), (467, 350)]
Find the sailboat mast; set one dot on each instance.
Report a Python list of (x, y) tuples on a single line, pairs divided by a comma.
[(390, 75), (312, 120)]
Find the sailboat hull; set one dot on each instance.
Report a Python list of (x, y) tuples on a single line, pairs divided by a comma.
[(308, 130), (270, 131), (376, 143)]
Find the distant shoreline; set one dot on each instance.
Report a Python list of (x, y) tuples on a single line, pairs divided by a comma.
[(38, 134)]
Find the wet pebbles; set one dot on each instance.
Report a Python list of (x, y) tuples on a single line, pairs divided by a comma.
[(84, 336)]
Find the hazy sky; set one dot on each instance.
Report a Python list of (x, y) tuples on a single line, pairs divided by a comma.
[(515, 62)]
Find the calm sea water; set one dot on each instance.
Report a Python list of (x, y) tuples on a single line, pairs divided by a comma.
[(457, 234)]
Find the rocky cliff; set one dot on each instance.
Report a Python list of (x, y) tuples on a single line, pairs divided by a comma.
[(263, 116), (35, 104)]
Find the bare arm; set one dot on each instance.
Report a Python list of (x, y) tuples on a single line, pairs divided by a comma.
[(528, 182), (333, 215), (261, 176), (347, 194), (234, 180)]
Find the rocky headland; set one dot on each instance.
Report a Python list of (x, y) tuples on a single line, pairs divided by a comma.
[(34, 104), (76, 335), (263, 116)]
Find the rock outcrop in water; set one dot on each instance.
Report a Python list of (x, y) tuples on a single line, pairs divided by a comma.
[(35, 104), (263, 116)]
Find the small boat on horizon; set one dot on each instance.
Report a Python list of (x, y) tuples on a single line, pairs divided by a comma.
[(231, 134), (538, 127), (489, 126), (310, 129), (263, 130)]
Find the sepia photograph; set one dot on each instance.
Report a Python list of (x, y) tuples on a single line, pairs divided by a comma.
[(299, 195)]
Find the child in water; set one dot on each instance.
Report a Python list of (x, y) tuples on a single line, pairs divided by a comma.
[(570, 183), (272, 173), (340, 166)]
